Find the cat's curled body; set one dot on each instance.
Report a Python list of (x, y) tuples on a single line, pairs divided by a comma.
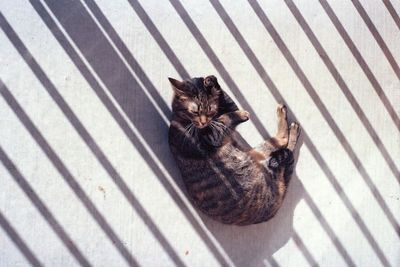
[(231, 184)]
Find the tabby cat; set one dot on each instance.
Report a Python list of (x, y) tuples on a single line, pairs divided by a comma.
[(231, 184)]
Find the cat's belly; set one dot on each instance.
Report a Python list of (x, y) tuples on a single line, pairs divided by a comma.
[(229, 195), (229, 186)]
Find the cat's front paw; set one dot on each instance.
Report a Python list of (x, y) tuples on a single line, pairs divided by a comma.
[(243, 115)]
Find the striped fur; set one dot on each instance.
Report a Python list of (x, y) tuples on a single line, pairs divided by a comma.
[(232, 185)]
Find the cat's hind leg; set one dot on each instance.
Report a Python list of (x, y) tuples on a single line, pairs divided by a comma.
[(294, 133), (273, 152), (280, 140), (279, 158)]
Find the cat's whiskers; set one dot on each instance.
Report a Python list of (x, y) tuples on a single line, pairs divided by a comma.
[(192, 129), (188, 127), (187, 133)]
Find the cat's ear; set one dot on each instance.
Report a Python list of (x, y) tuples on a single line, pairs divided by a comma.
[(211, 84), (178, 86)]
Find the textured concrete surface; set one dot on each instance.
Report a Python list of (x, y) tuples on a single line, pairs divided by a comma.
[(86, 174)]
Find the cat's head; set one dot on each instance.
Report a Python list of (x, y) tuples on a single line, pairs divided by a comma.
[(196, 100)]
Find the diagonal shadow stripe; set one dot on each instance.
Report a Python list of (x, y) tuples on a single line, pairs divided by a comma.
[(392, 12), (311, 146), (343, 86), (112, 72), (263, 74), (363, 64), (311, 91), (301, 246), (328, 229), (385, 49), (272, 262), (324, 111), (66, 174), (97, 88), (157, 36), (356, 107), (35, 199), (127, 55), (99, 154), (16, 238)]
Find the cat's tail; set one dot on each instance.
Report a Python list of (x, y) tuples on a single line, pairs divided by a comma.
[(282, 158)]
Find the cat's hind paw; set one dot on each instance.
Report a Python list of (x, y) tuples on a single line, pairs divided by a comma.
[(243, 115), (279, 158), (281, 111)]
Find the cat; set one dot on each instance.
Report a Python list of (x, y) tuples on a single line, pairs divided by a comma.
[(231, 184)]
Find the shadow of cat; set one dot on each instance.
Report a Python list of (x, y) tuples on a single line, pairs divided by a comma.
[(254, 245)]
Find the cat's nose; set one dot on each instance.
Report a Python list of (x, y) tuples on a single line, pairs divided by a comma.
[(203, 119)]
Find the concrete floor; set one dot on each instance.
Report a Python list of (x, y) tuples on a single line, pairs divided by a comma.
[(87, 177)]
